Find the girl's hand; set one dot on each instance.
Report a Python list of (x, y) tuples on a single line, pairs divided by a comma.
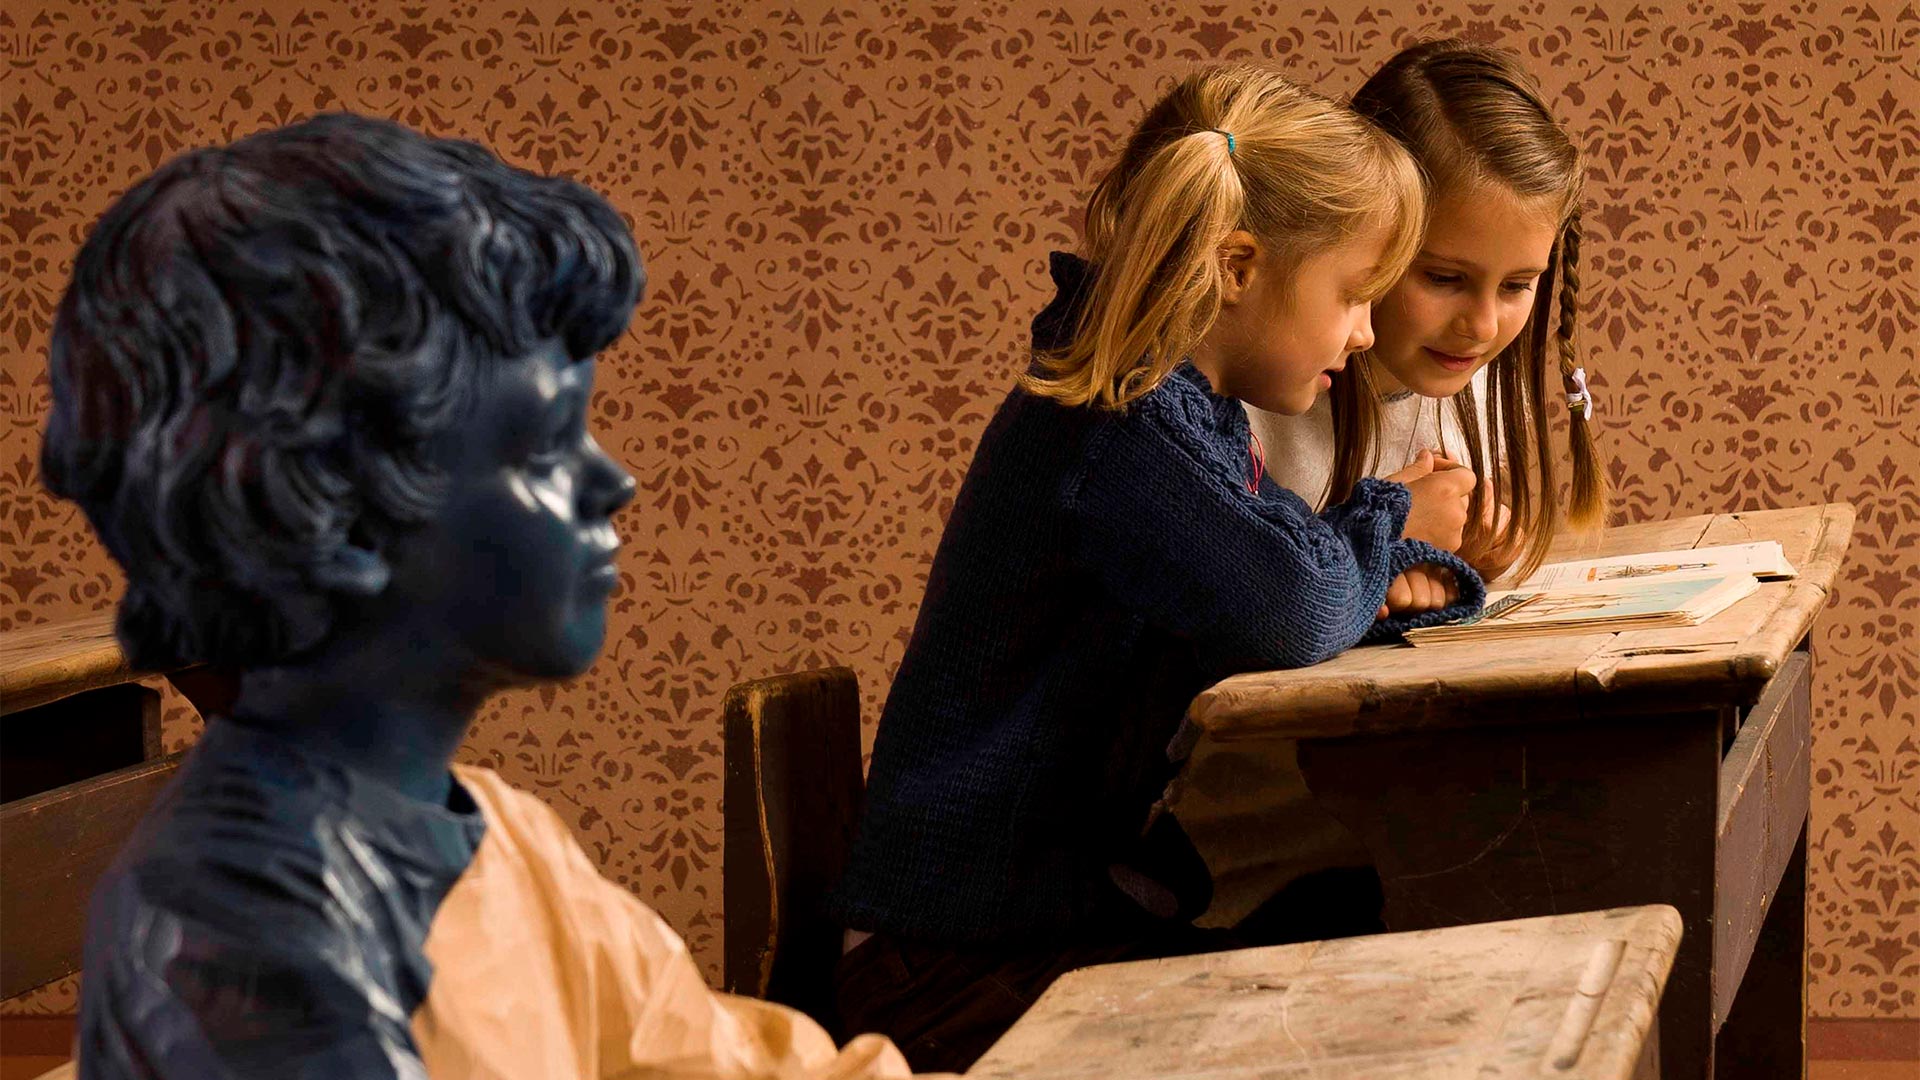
[(1492, 558), (1440, 488), (1421, 588)]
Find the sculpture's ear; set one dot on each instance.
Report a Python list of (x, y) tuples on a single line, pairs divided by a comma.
[(354, 571)]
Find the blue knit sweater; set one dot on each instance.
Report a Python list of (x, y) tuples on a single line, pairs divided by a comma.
[(1099, 569)]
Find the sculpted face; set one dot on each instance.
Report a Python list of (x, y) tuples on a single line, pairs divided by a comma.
[(517, 566)]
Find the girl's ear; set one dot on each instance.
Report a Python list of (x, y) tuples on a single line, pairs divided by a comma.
[(1238, 253)]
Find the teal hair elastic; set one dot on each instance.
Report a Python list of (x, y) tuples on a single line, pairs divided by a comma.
[(1229, 136)]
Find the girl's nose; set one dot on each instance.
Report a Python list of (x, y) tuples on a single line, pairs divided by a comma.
[(1479, 321), (1362, 337)]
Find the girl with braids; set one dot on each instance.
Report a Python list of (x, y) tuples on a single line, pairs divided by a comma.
[(1467, 351), (1116, 547)]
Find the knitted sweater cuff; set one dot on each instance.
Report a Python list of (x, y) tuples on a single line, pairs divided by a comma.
[(1370, 497), (1411, 553)]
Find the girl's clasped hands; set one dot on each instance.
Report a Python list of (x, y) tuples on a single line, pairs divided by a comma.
[(1442, 489)]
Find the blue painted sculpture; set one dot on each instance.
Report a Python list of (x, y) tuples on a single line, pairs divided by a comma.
[(323, 395)]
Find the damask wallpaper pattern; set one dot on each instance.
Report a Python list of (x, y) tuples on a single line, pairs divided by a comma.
[(846, 208)]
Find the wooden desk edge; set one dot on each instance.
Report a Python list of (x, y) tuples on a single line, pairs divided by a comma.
[(1632, 1002), (48, 681), (1759, 659), (48, 661), (1598, 686), (1649, 937)]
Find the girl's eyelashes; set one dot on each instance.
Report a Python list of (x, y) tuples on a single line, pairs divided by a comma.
[(1446, 279)]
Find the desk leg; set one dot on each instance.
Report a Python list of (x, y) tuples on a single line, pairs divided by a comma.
[(1765, 1032), (1506, 823), (1760, 929)]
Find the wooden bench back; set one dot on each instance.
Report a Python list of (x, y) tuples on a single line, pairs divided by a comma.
[(793, 786)]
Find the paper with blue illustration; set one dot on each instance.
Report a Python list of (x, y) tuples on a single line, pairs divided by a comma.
[(1629, 603)]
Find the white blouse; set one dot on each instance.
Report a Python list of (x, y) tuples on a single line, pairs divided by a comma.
[(1299, 449)]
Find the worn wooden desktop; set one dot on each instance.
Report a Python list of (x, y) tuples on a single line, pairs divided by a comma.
[(40, 664), (1572, 773), (1570, 996)]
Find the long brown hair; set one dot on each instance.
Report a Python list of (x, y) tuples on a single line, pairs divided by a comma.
[(1471, 114), (1234, 147)]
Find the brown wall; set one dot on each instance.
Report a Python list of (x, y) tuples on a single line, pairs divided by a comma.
[(846, 210)]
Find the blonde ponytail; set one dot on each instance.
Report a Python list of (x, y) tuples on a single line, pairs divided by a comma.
[(1228, 148)]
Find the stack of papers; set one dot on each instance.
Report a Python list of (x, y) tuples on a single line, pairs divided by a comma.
[(1647, 591)]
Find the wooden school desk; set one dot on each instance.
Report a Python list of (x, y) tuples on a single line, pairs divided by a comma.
[(80, 760), (1568, 996), (1501, 780)]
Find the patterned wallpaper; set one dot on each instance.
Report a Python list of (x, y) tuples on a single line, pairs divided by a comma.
[(846, 209)]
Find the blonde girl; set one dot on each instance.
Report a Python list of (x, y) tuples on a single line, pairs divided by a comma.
[(1469, 351), (1116, 547)]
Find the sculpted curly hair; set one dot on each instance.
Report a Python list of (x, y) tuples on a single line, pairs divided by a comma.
[(260, 344)]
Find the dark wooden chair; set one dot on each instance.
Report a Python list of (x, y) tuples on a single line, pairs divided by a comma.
[(793, 787)]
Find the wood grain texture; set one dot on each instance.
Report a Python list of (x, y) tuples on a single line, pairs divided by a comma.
[(1764, 791), (45, 663), (1765, 1033), (1725, 661), (1499, 822), (1670, 534), (1563, 996), (57, 845)]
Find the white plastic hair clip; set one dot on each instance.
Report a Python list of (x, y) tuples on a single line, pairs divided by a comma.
[(1580, 397)]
